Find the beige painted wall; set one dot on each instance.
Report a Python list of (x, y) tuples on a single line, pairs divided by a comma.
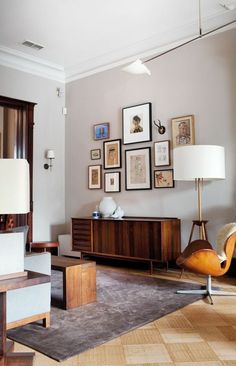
[(197, 79), (49, 133)]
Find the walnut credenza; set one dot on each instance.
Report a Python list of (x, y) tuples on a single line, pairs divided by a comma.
[(150, 239)]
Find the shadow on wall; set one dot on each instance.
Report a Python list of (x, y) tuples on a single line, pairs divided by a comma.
[(57, 230)]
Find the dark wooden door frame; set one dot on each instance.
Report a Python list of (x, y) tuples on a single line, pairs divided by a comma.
[(28, 108)]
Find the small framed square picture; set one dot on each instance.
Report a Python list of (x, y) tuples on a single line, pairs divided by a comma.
[(162, 153), (137, 169), (101, 131), (95, 176), (136, 123), (112, 182), (163, 178), (95, 154), (112, 154), (183, 131)]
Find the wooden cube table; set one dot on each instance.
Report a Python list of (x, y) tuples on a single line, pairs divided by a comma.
[(79, 280)]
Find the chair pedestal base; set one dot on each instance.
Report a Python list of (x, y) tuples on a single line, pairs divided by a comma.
[(207, 291)]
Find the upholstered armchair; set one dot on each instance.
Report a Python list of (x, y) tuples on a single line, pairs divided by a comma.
[(200, 257)]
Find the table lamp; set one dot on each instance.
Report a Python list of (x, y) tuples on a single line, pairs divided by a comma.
[(14, 199), (199, 163)]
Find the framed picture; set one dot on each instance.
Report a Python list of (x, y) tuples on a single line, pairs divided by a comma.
[(95, 176), (136, 123), (112, 154), (137, 169), (183, 131), (162, 153), (101, 131), (112, 182), (163, 178), (95, 154)]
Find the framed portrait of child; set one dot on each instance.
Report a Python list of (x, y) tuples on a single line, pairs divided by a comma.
[(136, 123)]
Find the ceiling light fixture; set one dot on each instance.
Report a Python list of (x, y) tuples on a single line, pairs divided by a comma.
[(138, 67)]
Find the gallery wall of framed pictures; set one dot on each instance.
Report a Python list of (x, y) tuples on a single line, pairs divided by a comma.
[(138, 173)]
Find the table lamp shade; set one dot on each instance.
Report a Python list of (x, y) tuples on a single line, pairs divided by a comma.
[(199, 161), (14, 186)]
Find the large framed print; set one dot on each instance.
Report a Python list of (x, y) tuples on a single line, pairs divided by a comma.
[(95, 176), (183, 131), (112, 182), (112, 154), (138, 169), (136, 123), (162, 153)]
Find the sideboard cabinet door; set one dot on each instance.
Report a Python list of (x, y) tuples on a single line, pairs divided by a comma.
[(82, 234)]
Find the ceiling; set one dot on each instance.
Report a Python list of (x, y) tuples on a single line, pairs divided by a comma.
[(82, 37)]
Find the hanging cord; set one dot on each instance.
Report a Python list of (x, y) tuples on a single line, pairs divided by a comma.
[(201, 35)]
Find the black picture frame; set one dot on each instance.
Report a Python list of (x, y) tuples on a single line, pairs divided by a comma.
[(137, 123), (112, 154), (138, 169), (109, 186), (164, 178)]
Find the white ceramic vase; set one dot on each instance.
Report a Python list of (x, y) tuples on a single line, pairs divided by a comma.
[(107, 206)]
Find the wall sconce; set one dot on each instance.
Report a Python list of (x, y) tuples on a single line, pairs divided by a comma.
[(50, 155)]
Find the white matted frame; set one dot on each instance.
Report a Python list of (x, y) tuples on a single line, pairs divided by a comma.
[(138, 169), (136, 123), (183, 131), (112, 154), (95, 176), (162, 153), (112, 182), (164, 178)]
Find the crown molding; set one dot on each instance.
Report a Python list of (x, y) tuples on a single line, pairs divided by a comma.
[(30, 64)]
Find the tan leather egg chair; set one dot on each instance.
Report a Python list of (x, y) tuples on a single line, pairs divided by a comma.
[(200, 257)]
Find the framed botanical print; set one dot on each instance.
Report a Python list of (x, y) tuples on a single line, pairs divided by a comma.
[(101, 131), (138, 169), (162, 153), (94, 176), (163, 178), (183, 131), (136, 123), (95, 154), (112, 154), (112, 182)]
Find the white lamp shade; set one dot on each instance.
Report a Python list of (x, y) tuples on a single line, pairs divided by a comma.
[(137, 67), (50, 154), (14, 186), (199, 161)]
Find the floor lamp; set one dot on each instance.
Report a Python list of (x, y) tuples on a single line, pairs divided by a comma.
[(199, 163), (14, 199)]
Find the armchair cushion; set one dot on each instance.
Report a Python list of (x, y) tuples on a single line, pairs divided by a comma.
[(221, 239)]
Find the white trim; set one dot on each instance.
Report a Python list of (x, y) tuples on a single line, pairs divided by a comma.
[(30, 64)]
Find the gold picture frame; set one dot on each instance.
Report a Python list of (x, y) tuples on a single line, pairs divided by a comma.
[(183, 131)]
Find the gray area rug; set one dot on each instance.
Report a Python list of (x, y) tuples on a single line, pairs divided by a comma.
[(124, 302)]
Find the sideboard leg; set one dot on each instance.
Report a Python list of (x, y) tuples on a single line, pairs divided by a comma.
[(151, 267)]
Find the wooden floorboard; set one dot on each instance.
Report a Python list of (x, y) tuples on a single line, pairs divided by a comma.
[(198, 335)]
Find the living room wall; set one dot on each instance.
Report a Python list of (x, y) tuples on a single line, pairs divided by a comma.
[(49, 132), (197, 79)]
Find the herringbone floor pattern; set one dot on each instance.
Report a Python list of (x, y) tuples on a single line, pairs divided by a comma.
[(197, 335)]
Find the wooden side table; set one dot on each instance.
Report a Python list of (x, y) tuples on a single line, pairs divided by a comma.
[(44, 245), (79, 281), (7, 357)]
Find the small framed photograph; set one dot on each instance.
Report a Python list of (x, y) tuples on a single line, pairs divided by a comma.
[(112, 154), (137, 169), (163, 178), (95, 154), (101, 131), (136, 123), (183, 131), (162, 153), (94, 176), (112, 182)]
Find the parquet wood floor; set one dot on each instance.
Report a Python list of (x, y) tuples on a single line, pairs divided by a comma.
[(198, 335)]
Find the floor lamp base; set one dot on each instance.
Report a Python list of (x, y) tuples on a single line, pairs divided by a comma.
[(202, 229)]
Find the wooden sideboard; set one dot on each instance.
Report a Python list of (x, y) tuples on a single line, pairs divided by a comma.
[(147, 239)]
